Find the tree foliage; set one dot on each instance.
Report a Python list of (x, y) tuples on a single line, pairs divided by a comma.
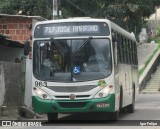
[(129, 14), (27, 7)]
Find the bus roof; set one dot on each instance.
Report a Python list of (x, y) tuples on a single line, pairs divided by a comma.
[(78, 19), (122, 31), (114, 26)]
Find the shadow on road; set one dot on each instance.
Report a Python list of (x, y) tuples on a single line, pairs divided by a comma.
[(86, 119)]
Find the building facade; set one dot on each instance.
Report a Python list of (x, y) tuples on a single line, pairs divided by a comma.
[(14, 31)]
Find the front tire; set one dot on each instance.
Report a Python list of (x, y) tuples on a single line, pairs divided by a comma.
[(52, 117), (114, 116), (121, 100)]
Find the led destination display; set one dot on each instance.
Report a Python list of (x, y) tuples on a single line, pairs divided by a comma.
[(71, 29)]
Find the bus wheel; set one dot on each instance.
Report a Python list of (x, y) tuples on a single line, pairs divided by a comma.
[(121, 99), (114, 115), (52, 116), (131, 107)]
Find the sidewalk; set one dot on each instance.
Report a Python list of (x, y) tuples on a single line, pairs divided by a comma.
[(10, 114)]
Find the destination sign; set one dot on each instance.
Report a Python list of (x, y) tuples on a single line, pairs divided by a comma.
[(71, 29)]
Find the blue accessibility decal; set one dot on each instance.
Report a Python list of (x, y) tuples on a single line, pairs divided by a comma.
[(76, 70)]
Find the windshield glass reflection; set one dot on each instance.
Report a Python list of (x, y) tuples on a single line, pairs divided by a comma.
[(72, 59)]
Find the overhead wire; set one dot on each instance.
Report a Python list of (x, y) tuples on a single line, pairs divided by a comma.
[(78, 7)]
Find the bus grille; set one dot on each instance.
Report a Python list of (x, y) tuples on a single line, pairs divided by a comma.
[(77, 96), (69, 89), (72, 104)]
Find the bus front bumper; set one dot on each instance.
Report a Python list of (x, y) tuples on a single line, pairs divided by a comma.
[(106, 104)]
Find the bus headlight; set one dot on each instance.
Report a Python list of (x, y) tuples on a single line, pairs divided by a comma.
[(104, 92), (40, 93)]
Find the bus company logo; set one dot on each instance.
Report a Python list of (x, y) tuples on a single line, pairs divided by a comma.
[(6, 123), (72, 96)]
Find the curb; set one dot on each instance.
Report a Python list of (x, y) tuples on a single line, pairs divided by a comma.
[(29, 113)]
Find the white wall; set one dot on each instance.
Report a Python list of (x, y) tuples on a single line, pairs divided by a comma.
[(28, 84), (2, 85)]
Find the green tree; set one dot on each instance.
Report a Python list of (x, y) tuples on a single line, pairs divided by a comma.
[(129, 14), (27, 7)]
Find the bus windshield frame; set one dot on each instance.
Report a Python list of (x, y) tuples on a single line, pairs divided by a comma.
[(82, 59)]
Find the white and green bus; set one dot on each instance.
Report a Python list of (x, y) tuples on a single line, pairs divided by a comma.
[(83, 65)]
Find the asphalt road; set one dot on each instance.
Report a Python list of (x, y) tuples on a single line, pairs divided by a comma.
[(147, 113), (147, 108)]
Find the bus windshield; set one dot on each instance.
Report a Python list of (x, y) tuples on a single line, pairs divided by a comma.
[(68, 60)]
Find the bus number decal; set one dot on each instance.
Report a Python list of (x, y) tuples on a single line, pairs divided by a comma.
[(40, 83)]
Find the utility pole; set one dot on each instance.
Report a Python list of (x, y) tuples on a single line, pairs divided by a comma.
[(55, 9)]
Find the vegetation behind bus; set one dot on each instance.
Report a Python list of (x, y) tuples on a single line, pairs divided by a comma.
[(151, 56), (128, 14)]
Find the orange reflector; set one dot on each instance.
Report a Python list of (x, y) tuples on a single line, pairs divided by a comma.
[(111, 86)]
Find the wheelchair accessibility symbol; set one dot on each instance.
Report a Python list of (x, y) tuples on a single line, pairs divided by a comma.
[(76, 70)]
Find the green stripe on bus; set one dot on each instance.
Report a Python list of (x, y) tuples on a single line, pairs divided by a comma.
[(45, 106), (41, 106)]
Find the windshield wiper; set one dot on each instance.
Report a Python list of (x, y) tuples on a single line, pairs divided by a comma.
[(84, 44), (72, 74), (59, 46)]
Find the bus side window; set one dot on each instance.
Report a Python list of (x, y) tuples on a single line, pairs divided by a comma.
[(123, 50), (135, 53), (116, 45), (118, 48), (118, 52), (130, 51), (132, 45)]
